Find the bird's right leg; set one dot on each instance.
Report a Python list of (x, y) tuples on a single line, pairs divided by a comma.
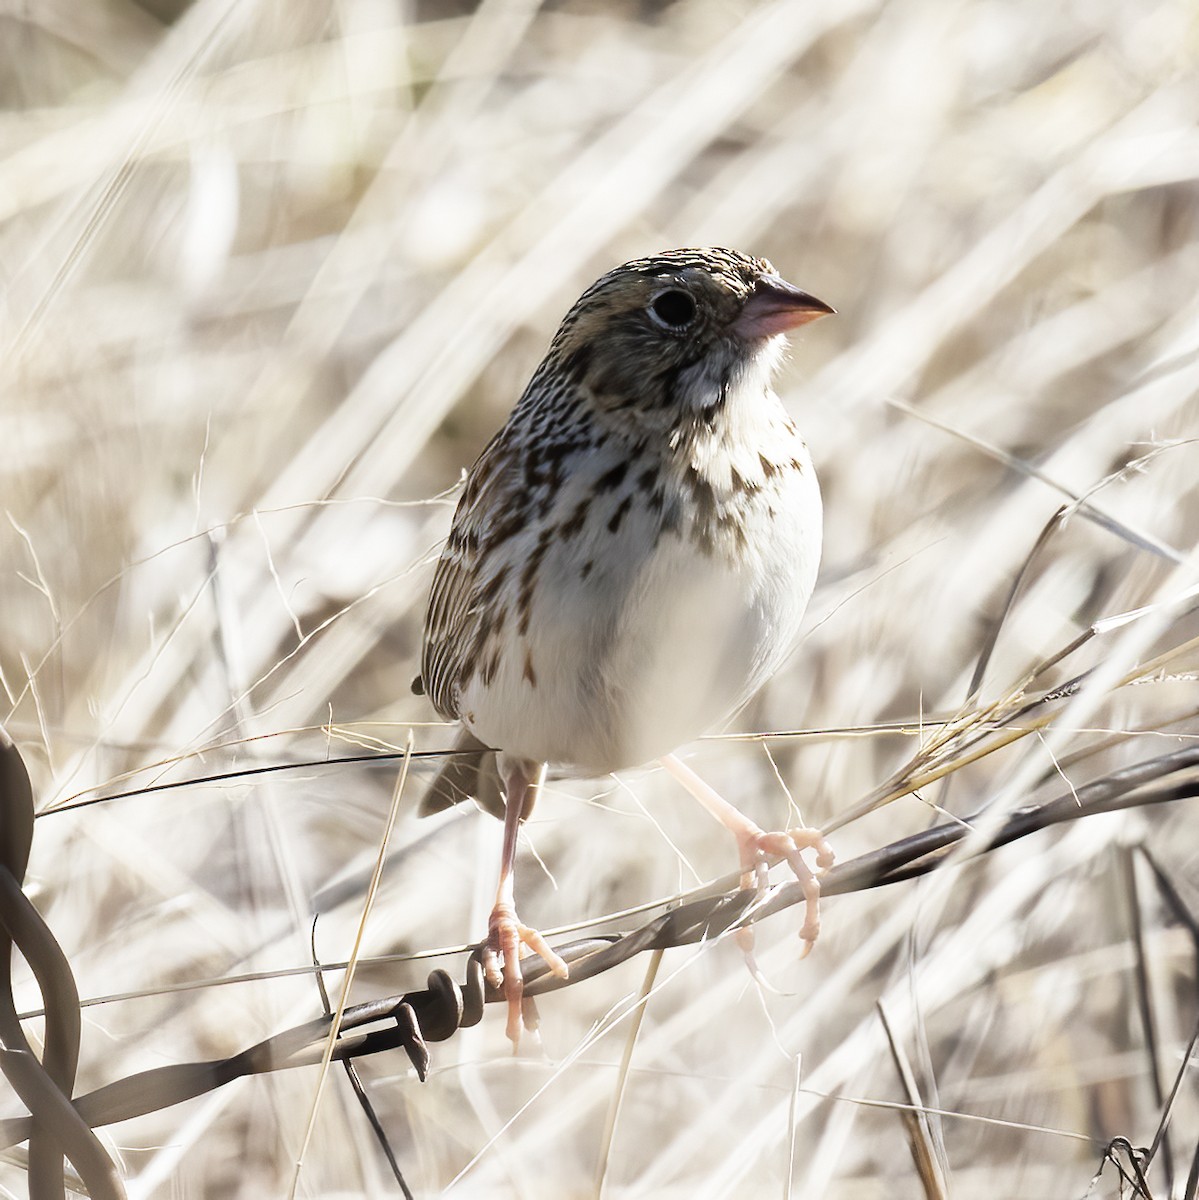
[(505, 933)]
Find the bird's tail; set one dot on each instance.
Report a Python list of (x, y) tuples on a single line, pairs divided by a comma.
[(470, 773)]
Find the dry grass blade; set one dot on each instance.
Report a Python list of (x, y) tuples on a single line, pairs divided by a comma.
[(622, 1076), (359, 1088), (335, 1023), (980, 731), (929, 1167), (1181, 913), (1145, 1010), (273, 275)]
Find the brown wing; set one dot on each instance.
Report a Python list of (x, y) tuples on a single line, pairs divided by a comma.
[(491, 509)]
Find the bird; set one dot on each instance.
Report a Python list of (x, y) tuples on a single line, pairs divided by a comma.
[(629, 561)]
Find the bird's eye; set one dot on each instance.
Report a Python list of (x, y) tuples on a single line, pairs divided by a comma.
[(673, 308)]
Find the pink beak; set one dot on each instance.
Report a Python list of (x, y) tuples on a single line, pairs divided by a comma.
[(775, 306)]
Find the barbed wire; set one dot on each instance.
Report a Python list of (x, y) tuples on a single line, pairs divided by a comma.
[(60, 1125)]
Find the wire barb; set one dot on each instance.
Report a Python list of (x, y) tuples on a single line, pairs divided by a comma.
[(411, 1021)]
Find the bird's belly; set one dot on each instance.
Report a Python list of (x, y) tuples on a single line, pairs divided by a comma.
[(639, 653)]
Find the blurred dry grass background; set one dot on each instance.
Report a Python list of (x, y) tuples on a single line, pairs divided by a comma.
[(272, 275)]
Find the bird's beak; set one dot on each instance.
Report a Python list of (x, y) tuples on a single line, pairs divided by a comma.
[(774, 306)]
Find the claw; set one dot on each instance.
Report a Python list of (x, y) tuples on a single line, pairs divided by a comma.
[(501, 965), (757, 846)]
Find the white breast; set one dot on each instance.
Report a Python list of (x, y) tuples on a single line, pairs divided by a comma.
[(641, 641)]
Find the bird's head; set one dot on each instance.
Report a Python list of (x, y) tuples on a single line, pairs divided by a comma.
[(676, 334)]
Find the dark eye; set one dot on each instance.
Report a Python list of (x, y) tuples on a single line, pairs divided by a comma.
[(674, 308)]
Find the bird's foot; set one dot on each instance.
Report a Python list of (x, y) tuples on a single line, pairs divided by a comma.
[(501, 962), (757, 847)]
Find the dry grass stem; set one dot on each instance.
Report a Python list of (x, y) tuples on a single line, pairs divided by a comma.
[(270, 278)]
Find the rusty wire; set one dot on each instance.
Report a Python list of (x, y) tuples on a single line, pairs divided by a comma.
[(60, 1125)]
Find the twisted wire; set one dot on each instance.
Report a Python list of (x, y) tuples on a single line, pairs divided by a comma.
[(413, 1020), (56, 1130)]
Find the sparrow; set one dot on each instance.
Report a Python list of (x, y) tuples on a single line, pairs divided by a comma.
[(629, 561)]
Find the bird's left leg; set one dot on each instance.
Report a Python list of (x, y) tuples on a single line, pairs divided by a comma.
[(505, 933), (755, 846)]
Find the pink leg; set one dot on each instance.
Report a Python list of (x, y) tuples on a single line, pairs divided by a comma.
[(505, 933), (755, 846)]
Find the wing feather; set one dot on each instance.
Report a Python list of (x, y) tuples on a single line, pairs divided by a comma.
[(491, 505)]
